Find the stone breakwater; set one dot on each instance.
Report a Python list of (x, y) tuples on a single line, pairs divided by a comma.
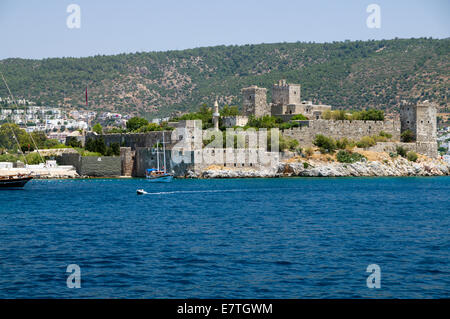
[(314, 168), (42, 173)]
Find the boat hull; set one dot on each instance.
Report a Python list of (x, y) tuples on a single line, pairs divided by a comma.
[(14, 182), (160, 179)]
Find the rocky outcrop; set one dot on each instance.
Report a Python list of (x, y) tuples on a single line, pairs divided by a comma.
[(236, 173), (396, 167)]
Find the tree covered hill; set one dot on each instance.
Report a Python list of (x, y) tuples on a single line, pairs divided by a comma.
[(352, 75)]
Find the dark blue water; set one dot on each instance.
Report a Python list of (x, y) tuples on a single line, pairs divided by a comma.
[(250, 238)]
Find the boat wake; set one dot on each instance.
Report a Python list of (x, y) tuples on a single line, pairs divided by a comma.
[(142, 192)]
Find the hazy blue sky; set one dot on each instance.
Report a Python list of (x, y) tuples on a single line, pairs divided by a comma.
[(37, 29)]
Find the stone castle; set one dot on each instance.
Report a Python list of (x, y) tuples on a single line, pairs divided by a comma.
[(286, 102), (420, 119)]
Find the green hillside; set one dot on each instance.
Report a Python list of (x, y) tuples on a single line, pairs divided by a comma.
[(343, 74)]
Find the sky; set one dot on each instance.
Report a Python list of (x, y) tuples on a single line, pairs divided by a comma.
[(38, 29)]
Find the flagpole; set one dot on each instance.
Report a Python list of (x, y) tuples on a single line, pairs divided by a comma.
[(87, 100)]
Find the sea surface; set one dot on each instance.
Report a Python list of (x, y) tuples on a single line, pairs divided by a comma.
[(239, 238)]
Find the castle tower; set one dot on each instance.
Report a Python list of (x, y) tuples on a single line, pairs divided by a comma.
[(254, 101), (420, 119), (285, 94), (216, 116)]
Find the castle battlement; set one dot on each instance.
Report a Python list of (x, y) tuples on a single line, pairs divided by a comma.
[(420, 119), (286, 102)]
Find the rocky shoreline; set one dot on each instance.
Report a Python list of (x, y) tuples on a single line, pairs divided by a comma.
[(315, 168)]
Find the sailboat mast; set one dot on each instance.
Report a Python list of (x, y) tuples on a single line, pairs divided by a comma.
[(157, 154), (12, 128), (164, 152)]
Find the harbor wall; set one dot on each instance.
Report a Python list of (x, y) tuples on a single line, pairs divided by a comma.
[(96, 166)]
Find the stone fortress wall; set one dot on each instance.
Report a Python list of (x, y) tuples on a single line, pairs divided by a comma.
[(353, 130), (286, 102), (138, 154), (133, 140), (96, 166)]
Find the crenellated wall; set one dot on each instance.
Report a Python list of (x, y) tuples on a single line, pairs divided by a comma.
[(134, 140), (354, 130)]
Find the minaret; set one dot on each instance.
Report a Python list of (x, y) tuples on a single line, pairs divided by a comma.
[(216, 116)]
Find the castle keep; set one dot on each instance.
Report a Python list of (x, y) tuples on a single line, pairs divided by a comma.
[(254, 101), (420, 119), (286, 102), (285, 94)]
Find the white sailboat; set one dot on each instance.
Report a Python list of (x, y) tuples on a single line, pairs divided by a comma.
[(156, 174), (16, 180)]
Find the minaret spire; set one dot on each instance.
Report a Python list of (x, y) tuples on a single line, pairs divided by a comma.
[(216, 115)]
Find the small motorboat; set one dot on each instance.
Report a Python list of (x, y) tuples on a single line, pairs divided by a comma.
[(141, 192)]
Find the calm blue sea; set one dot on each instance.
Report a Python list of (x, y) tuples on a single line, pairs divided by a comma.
[(248, 238)]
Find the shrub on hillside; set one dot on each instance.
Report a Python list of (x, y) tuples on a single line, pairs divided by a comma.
[(96, 145), (34, 158), (326, 144), (73, 142), (342, 143), (265, 121), (412, 156), (8, 158), (386, 135), (135, 123), (366, 141), (113, 150), (407, 136), (150, 127), (287, 143), (339, 115), (442, 150), (287, 125), (345, 156), (97, 128), (401, 151), (309, 152), (379, 138), (326, 115), (369, 115), (299, 117)]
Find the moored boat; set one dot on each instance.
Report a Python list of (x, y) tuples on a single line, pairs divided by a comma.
[(14, 181), (156, 174)]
